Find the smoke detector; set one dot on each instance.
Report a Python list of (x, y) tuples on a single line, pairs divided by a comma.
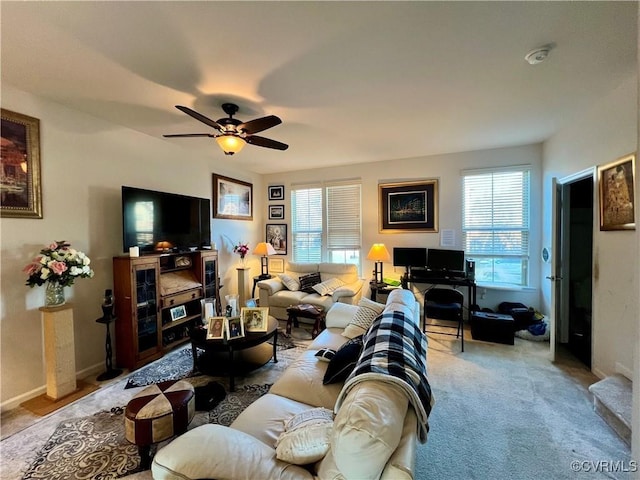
[(538, 55)]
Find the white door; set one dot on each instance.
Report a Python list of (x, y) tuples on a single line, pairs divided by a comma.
[(556, 263)]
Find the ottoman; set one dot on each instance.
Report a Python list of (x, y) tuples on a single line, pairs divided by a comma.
[(493, 327), (157, 413)]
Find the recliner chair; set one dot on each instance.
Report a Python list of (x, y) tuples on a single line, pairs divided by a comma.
[(444, 304)]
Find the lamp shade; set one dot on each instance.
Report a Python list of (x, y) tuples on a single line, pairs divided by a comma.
[(230, 144), (264, 248), (379, 253)]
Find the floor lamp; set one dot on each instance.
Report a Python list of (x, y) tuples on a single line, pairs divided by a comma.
[(378, 254)]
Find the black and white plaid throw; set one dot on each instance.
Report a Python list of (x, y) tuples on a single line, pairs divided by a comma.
[(395, 351)]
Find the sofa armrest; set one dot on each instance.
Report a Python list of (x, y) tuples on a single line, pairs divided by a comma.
[(232, 454), (271, 285), (349, 293)]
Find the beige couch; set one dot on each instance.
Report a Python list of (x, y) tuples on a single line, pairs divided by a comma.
[(374, 433), (275, 295)]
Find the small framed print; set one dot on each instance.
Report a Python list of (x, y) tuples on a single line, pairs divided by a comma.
[(276, 192), (277, 237), (276, 212), (255, 319), (234, 328), (215, 328), (276, 265), (178, 312)]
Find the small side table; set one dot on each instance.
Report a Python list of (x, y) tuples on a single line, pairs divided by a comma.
[(255, 282), (380, 288), (111, 372), (306, 310)]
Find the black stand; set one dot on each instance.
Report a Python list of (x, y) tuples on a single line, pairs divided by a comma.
[(111, 372)]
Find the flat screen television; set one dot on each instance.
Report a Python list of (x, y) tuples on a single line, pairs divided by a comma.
[(150, 218), (440, 260), (409, 257)]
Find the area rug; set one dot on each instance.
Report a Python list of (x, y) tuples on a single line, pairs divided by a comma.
[(95, 447), (179, 364)]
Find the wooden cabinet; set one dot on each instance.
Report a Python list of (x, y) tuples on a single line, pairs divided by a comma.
[(158, 299)]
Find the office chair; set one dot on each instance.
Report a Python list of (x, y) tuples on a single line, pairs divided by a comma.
[(444, 304)]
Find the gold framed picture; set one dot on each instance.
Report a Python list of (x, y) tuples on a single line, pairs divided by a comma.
[(234, 327), (215, 328), (615, 188), (20, 188), (255, 319)]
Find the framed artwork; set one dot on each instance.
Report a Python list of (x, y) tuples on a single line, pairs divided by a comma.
[(408, 206), (277, 237), (255, 319), (615, 187), (234, 327), (276, 212), (215, 328), (276, 192), (276, 265), (178, 312), (232, 199), (20, 188)]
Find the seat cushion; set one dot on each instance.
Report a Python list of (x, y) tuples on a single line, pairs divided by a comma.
[(286, 298)]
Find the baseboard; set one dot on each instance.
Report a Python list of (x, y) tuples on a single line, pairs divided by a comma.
[(622, 370), (15, 402), (598, 373)]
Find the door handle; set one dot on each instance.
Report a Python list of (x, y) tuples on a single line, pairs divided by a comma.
[(553, 278)]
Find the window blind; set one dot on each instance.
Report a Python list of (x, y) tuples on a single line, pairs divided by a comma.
[(343, 217), (306, 211)]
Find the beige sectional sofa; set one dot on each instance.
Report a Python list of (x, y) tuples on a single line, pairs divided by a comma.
[(274, 294), (374, 433)]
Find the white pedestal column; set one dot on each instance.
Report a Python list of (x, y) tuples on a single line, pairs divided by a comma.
[(242, 286), (59, 350)]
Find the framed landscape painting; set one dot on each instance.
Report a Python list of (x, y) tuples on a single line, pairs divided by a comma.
[(232, 199), (20, 188), (615, 188), (408, 206)]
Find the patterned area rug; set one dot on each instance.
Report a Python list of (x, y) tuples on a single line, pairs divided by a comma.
[(179, 364), (95, 447)]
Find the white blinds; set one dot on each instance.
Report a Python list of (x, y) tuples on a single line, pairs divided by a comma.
[(343, 217), (306, 206), (496, 212)]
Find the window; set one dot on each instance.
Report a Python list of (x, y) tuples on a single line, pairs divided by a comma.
[(495, 224), (326, 223)]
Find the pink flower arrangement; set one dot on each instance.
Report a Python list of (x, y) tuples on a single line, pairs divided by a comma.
[(58, 263), (241, 249)]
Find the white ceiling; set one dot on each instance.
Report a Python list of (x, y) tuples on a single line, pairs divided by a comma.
[(352, 81)]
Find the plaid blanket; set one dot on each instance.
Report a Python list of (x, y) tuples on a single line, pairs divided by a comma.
[(395, 351)]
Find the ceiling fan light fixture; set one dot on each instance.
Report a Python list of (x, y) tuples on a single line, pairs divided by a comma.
[(230, 144)]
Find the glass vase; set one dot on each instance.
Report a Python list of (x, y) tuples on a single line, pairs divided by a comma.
[(243, 262), (53, 294)]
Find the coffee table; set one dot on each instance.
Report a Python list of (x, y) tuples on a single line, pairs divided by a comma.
[(306, 310), (233, 357)]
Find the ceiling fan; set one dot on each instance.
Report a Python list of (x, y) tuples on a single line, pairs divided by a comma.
[(234, 133)]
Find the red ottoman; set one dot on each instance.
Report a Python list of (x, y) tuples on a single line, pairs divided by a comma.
[(157, 413)]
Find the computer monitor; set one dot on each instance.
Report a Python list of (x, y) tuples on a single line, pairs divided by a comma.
[(409, 257), (445, 260)]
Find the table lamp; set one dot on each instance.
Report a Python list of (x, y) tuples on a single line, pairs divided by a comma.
[(265, 249), (379, 254)]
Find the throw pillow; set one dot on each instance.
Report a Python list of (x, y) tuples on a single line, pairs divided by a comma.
[(344, 361), (308, 281), (368, 310), (328, 286), (325, 355), (290, 282), (306, 437)]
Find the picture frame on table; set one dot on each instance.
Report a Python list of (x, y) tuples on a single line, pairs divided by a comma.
[(276, 265), (406, 207), (178, 312), (255, 319), (616, 190), (232, 199), (215, 328), (276, 235), (276, 212), (234, 327), (276, 192), (21, 193)]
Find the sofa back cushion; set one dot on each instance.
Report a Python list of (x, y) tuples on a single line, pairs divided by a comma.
[(347, 272), (298, 269)]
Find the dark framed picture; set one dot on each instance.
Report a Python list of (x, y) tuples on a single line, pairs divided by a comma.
[(178, 312), (409, 206), (615, 188), (277, 237), (276, 192), (276, 212), (255, 319), (21, 193), (232, 199), (234, 327)]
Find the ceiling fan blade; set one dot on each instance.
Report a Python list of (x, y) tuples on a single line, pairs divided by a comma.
[(265, 142), (199, 116), (259, 124), (189, 135)]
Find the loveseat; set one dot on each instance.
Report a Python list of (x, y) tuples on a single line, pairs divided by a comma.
[(374, 433), (338, 282)]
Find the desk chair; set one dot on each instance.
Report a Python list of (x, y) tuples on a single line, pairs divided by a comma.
[(444, 304)]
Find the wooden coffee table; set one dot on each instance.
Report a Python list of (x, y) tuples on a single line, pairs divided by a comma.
[(306, 310), (236, 356)]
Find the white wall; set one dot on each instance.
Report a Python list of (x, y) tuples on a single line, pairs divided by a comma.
[(607, 131), (446, 168), (85, 161)]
